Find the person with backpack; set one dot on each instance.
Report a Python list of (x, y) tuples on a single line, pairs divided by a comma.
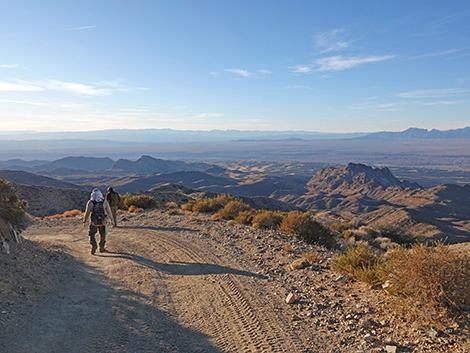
[(114, 200), (97, 210)]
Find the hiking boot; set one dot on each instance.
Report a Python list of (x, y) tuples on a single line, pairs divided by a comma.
[(93, 249), (102, 249)]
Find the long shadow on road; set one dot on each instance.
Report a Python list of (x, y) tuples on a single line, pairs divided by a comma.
[(182, 268), (85, 311)]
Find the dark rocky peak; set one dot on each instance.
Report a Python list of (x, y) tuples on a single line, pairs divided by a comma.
[(355, 175)]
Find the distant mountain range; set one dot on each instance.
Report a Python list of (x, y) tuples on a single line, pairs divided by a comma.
[(373, 195), (415, 133)]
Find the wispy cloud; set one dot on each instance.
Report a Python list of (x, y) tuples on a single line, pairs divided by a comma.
[(431, 93), (79, 28), (338, 63), (302, 69), (439, 53), (331, 41), (77, 88), (265, 72), (240, 72), (11, 66), (207, 115), (18, 85), (461, 101), (13, 101)]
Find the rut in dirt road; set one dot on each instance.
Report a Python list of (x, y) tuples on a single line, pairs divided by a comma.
[(158, 289)]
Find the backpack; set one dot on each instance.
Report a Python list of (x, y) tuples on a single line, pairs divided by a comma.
[(98, 218), (113, 199)]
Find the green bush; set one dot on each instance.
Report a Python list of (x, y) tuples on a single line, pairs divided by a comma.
[(268, 219), (361, 263), (246, 217), (304, 227), (140, 201)]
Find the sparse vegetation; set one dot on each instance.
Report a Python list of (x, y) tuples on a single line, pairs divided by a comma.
[(304, 227), (246, 217), (231, 210), (208, 204), (172, 211), (171, 205), (312, 256), (66, 214), (135, 209), (139, 201), (431, 282), (361, 263), (268, 219), (342, 226), (396, 234)]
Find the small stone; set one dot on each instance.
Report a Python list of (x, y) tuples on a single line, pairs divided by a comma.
[(433, 333), (387, 340), (291, 298), (299, 264), (369, 338), (391, 349), (386, 286), (342, 278)]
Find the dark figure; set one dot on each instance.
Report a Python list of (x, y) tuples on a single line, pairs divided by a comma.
[(98, 208), (114, 199)]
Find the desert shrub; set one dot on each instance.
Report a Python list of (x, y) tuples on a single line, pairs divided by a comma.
[(304, 227), (171, 205), (66, 214), (361, 263), (232, 209), (172, 211), (432, 282), (140, 201), (341, 226), (288, 248), (348, 234), (208, 204), (12, 209), (268, 219), (246, 217), (396, 234)]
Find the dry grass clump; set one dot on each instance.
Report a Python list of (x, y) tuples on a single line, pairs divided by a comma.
[(172, 211), (139, 201), (312, 256), (361, 263), (208, 204), (246, 217), (431, 282), (304, 227), (268, 219), (231, 210), (135, 209), (395, 233), (66, 214)]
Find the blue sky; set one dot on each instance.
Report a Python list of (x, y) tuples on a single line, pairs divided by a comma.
[(328, 66)]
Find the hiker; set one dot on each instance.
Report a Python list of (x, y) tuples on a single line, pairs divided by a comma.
[(99, 209), (114, 200)]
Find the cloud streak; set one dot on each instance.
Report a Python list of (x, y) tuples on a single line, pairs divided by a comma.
[(338, 63), (240, 72), (431, 93), (78, 28)]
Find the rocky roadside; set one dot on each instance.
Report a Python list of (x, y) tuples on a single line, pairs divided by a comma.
[(348, 313)]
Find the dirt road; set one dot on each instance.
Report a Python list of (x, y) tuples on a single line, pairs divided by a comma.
[(160, 288)]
